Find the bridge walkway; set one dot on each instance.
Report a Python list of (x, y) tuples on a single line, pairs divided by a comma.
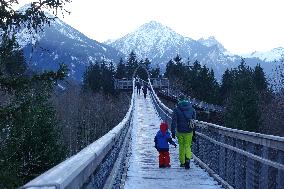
[(143, 171)]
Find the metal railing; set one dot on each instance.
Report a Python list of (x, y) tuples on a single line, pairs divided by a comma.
[(99, 165), (159, 83), (174, 93), (123, 84), (235, 158)]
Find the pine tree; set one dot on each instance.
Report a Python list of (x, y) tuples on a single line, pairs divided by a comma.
[(169, 69), (155, 73), (142, 70), (33, 17), (28, 128), (197, 81), (121, 70), (92, 77), (108, 73), (11, 61), (131, 64), (178, 59), (226, 86), (259, 79), (242, 108), (147, 63), (174, 68), (214, 95), (99, 77), (192, 79), (32, 146)]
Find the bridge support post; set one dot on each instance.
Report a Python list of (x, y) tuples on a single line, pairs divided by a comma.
[(239, 168), (206, 149), (250, 173), (201, 148), (280, 174), (263, 179), (230, 167), (222, 159)]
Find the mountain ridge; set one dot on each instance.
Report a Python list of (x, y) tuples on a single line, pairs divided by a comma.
[(160, 43), (61, 43)]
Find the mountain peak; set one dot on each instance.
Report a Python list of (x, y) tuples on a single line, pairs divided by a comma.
[(210, 42), (149, 38), (153, 24)]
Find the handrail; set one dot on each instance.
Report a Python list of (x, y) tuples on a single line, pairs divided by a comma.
[(157, 98), (76, 170), (195, 102), (279, 141), (270, 141)]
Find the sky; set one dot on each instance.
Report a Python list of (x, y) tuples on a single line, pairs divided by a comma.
[(242, 26)]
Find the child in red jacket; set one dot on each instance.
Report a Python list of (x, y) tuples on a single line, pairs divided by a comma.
[(162, 140)]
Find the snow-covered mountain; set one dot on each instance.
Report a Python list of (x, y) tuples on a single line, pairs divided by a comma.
[(151, 40), (275, 54), (60, 43), (160, 43)]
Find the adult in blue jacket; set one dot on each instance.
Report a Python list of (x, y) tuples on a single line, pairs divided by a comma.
[(180, 126)]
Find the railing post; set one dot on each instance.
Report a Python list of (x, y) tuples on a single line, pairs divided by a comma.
[(230, 167), (222, 158), (280, 174), (201, 148), (206, 150), (250, 168), (263, 179), (215, 153), (238, 167)]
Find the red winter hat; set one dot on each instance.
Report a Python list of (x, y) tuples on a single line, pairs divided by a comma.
[(164, 127)]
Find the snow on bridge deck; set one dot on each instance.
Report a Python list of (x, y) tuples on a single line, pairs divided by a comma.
[(143, 171)]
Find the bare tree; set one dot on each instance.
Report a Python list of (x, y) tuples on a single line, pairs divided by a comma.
[(85, 116), (272, 113)]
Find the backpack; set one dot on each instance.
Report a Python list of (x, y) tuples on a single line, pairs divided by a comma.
[(191, 125), (190, 122)]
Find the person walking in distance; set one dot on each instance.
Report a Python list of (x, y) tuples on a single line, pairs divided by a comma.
[(144, 90), (181, 117), (138, 86)]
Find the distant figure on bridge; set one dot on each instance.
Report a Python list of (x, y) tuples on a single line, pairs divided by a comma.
[(181, 117), (145, 89), (138, 86), (162, 140)]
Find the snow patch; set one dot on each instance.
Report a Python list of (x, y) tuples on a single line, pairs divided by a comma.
[(104, 49), (74, 58), (269, 56)]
